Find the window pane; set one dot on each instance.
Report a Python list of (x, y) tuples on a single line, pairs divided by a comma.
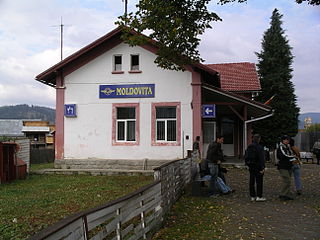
[(120, 130), (117, 63), (117, 67), (171, 130), (126, 113), (134, 62), (160, 130), (165, 112), (131, 131)]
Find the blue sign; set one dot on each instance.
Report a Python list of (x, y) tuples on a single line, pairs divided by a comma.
[(127, 91), (70, 110), (209, 111)]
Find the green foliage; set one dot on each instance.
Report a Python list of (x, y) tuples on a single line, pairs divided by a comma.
[(25, 111), (5, 139), (28, 206), (175, 25), (311, 2), (275, 72), (313, 128)]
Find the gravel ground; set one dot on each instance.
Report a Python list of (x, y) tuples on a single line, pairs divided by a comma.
[(297, 219)]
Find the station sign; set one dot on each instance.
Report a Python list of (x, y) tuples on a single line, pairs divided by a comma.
[(127, 91)]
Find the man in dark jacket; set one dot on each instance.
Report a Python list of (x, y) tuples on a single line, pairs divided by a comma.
[(286, 158), (214, 158), (256, 168)]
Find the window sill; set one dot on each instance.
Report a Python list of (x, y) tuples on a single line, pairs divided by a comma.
[(125, 143), (117, 72), (165, 143), (135, 71)]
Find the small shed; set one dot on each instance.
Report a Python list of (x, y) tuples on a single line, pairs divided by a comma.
[(11, 167)]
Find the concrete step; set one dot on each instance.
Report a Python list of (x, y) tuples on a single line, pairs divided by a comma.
[(94, 172)]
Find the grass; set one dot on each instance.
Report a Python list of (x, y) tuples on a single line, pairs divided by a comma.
[(28, 206), (193, 218), (39, 166)]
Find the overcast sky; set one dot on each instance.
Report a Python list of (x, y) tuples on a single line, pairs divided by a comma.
[(30, 41)]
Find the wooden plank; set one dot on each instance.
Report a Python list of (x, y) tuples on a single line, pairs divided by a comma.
[(96, 221), (74, 230), (112, 225), (96, 218), (127, 230), (126, 216)]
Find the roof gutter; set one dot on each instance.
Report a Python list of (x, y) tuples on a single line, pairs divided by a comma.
[(250, 121)]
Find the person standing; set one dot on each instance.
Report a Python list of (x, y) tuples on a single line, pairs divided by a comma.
[(214, 158), (316, 150), (196, 149), (296, 168), (286, 158), (255, 160), (197, 156)]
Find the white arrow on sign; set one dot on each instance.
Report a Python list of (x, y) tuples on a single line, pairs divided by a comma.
[(208, 111)]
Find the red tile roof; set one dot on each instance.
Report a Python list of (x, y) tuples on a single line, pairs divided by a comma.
[(237, 77)]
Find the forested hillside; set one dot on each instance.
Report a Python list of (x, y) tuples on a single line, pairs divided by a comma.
[(25, 111)]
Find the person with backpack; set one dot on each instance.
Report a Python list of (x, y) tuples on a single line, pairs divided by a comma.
[(286, 159), (254, 159), (214, 158), (296, 168)]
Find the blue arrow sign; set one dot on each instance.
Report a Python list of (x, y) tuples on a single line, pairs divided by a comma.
[(209, 111), (70, 110)]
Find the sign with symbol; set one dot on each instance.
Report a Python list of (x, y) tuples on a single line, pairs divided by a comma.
[(127, 91), (70, 110), (209, 111)]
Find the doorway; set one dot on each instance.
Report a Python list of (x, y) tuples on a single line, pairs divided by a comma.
[(209, 134), (227, 131)]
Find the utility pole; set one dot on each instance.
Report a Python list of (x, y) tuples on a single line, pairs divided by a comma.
[(61, 38), (125, 7)]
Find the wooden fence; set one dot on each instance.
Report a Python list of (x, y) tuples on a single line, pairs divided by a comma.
[(41, 155), (132, 217)]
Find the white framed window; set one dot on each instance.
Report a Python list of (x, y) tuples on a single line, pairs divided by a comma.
[(126, 124), (166, 124), (134, 62), (117, 63)]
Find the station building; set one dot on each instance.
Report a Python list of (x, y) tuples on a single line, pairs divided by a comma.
[(115, 108)]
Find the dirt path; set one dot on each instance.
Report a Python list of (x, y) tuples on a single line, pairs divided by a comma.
[(273, 219)]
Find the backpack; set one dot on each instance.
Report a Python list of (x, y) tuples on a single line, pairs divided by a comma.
[(251, 155)]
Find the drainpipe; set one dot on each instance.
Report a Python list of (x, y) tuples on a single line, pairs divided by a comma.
[(250, 121)]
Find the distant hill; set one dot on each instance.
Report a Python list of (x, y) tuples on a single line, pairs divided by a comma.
[(25, 111), (314, 116)]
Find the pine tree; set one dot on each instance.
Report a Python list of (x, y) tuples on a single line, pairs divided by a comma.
[(275, 72)]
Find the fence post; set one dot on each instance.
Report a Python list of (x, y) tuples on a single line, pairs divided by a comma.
[(118, 229), (85, 228), (143, 223), (157, 175)]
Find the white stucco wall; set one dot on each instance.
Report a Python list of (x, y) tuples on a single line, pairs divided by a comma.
[(89, 135)]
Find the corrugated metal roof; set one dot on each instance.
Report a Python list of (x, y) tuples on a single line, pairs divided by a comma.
[(11, 127), (35, 129), (237, 77)]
